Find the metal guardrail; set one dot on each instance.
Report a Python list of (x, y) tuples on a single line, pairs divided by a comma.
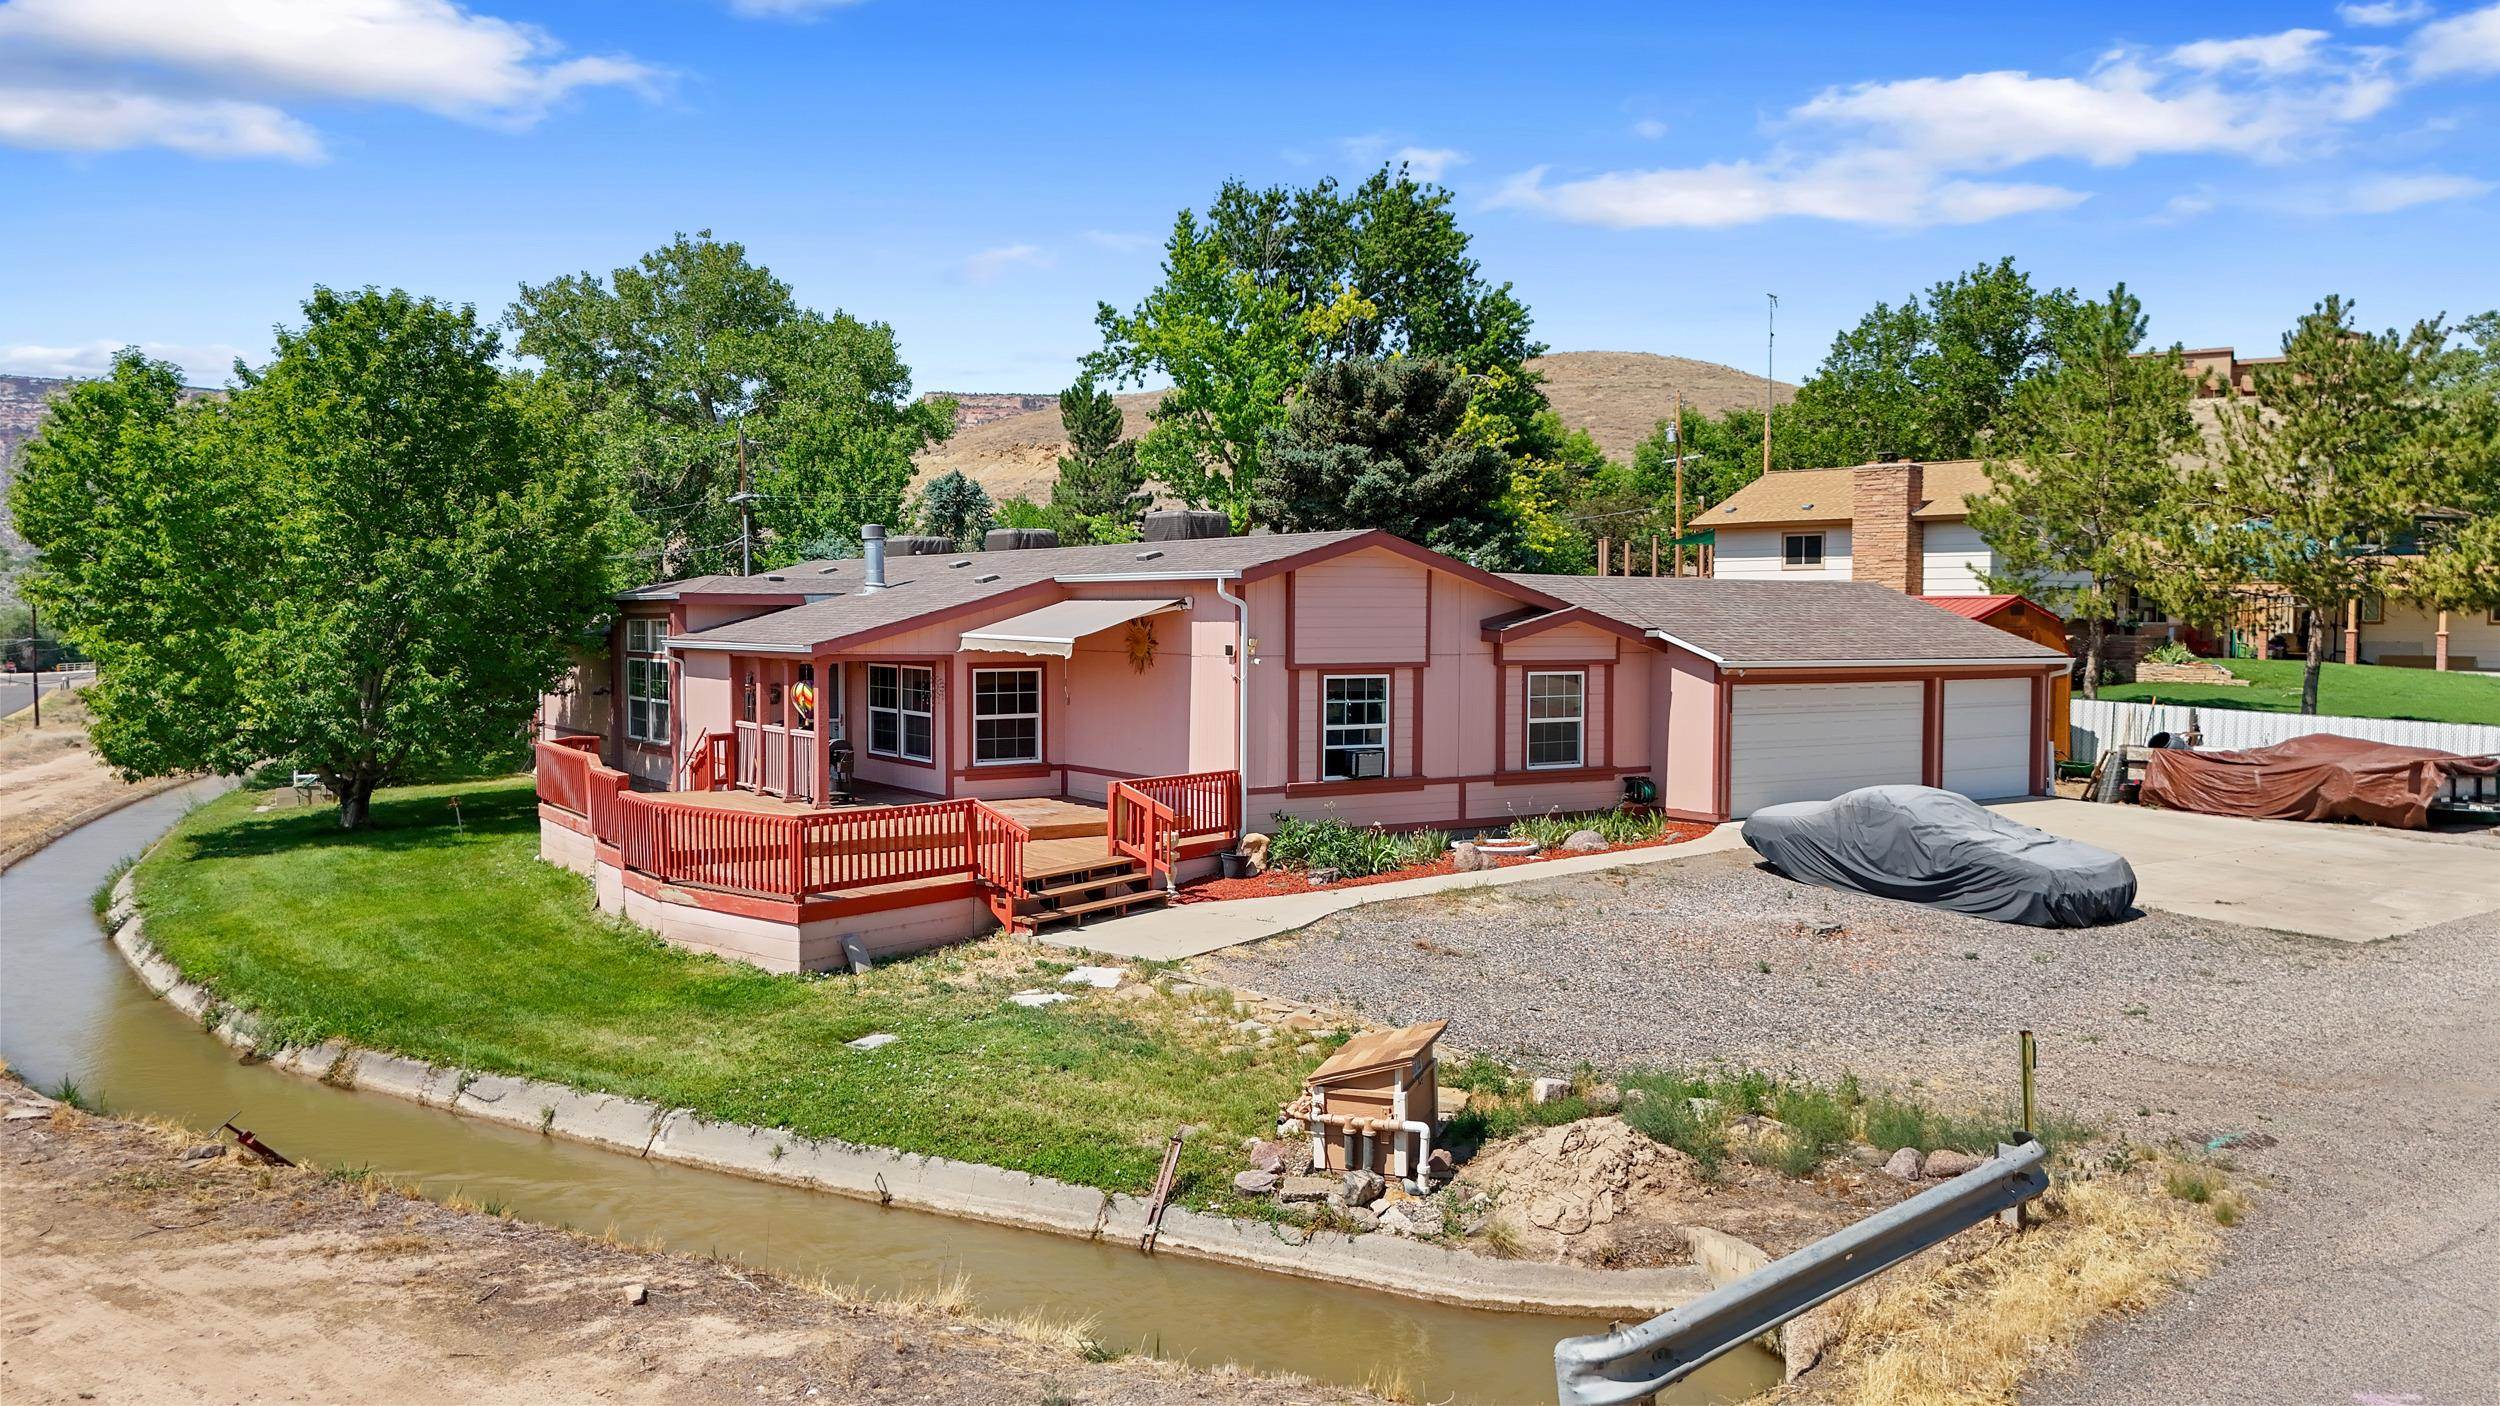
[(1632, 1363)]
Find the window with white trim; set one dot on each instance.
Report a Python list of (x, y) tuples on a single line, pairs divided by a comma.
[(1006, 716), (1354, 727), (646, 681), (1557, 719), (901, 711), (1801, 550)]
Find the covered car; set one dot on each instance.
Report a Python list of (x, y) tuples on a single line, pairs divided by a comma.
[(2315, 777), (1938, 847)]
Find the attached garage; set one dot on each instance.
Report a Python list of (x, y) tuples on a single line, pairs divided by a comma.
[(1809, 742), (1987, 737)]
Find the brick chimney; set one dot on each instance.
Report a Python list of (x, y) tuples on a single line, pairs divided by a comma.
[(1886, 544)]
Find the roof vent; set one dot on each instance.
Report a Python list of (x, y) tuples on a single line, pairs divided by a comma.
[(1150, 556), (776, 578), (1808, 507), (986, 579), (961, 561)]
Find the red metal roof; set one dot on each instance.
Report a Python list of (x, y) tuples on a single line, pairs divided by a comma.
[(1975, 607)]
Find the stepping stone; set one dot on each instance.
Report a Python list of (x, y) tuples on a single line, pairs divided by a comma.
[(877, 1041), (1100, 978), (1038, 998)]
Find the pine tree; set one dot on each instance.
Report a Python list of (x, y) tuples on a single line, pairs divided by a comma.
[(1099, 476), (955, 508), (2079, 466)]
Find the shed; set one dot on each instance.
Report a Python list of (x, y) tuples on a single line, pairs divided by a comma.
[(1373, 1104)]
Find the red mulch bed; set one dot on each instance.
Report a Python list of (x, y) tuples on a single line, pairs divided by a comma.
[(1283, 881)]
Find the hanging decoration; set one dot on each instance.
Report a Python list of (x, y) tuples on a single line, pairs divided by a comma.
[(1141, 645)]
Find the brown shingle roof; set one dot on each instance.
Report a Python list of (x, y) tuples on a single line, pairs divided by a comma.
[(1800, 497), (1378, 1049), (1758, 623), (923, 585)]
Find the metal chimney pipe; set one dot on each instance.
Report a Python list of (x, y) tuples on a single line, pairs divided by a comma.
[(872, 547)]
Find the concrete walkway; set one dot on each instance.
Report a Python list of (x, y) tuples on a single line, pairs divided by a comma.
[(1195, 929)]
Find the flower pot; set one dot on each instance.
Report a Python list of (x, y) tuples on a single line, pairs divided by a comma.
[(1236, 864)]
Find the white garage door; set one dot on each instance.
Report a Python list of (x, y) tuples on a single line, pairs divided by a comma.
[(1810, 742), (1987, 737)]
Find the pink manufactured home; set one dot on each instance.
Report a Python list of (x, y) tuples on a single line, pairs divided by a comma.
[(905, 749)]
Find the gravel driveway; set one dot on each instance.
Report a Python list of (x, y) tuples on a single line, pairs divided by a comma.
[(2368, 1264)]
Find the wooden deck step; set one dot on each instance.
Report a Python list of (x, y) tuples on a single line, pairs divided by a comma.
[(1117, 901), (1041, 869), (1055, 892)]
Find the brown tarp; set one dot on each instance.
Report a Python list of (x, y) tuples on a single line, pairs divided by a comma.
[(2317, 777)]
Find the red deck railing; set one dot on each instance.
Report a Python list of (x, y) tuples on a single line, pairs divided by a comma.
[(1144, 829), (1201, 802)]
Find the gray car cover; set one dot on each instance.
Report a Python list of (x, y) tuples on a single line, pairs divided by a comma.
[(1937, 847)]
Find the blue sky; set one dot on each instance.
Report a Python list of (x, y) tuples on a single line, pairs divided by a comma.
[(182, 171)]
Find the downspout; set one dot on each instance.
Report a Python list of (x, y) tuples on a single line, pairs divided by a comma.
[(1241, 701)]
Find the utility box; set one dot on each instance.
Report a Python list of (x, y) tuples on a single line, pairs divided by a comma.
[(1376, 1103)]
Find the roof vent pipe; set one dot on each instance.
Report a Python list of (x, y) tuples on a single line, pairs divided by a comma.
[(872, 547)]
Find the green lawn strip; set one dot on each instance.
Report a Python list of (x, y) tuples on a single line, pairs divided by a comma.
[(457, 946), (2344, 690)]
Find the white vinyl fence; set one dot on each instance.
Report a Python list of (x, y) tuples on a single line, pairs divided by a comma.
[(2101, 723)]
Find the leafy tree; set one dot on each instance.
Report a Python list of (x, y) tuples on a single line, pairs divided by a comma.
[(1926, 379), (1378, 444), (1099, 475), (2316, 478), (1272, 283), (956, 508), (370, 558), (2459, 563), (673, 361), (2082, 460), (1074, 529)]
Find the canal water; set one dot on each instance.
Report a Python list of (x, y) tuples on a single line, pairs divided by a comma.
[(69, 1007)]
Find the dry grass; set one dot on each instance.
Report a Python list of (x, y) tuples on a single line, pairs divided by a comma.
[(1971, 1331)]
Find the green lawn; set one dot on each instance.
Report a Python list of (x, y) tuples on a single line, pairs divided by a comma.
[(2349, 690), (457, 946)]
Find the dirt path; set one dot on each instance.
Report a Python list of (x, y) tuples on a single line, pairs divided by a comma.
[(50, 778), (135, 1276)]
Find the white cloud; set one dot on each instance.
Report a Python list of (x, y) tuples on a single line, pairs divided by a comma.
[(1937, 150), (1120, 241), (55, 119), (1428, 162), (2379, 194), (1649, 129), (2384, 14), (1872, 188), (989, 265), (208, 75), (2292, 51), (2466, 43), (202, 365), (2187, 206)]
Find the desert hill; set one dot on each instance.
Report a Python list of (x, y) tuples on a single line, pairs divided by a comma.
[(1618, 397)]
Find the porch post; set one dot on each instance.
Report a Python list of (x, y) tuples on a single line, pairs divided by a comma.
[(2439, 658), (819, 778), (789, 732)]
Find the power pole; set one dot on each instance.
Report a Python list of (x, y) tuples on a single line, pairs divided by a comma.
[(1679, 483), (746, 505), (34, 656), (1770, 360)]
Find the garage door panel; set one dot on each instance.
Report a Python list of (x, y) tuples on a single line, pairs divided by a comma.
[(1987, 737), (1800, 742)]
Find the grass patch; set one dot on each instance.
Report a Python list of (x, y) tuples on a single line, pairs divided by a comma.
[(458, 947), (102, 899), (2346, 690)]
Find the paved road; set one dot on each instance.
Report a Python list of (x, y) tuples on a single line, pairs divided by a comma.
[(17, 690), (2364, 1274)]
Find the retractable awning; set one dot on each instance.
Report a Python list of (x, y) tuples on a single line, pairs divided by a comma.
[(1055, 629)]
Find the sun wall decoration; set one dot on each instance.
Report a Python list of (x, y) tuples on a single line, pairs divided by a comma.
[(1141, 645)]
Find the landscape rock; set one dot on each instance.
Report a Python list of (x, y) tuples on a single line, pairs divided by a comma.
[(1440, 1166), (1292, 1128), (1584, 841), (1269, 1156), (1037, 999), (1412, 1218), (1256, 1182), (1321, 877), (1904, 1164), (1361, 1187), (1464, 858), (1945, 1162), (1546, 1089), (1605, 1098), (637, 1294), (202, 1152), (1307, 1188), (877, 1041), (1100, 978), (1363, 1218)]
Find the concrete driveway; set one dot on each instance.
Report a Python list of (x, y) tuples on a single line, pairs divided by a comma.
[(2352, 883)]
